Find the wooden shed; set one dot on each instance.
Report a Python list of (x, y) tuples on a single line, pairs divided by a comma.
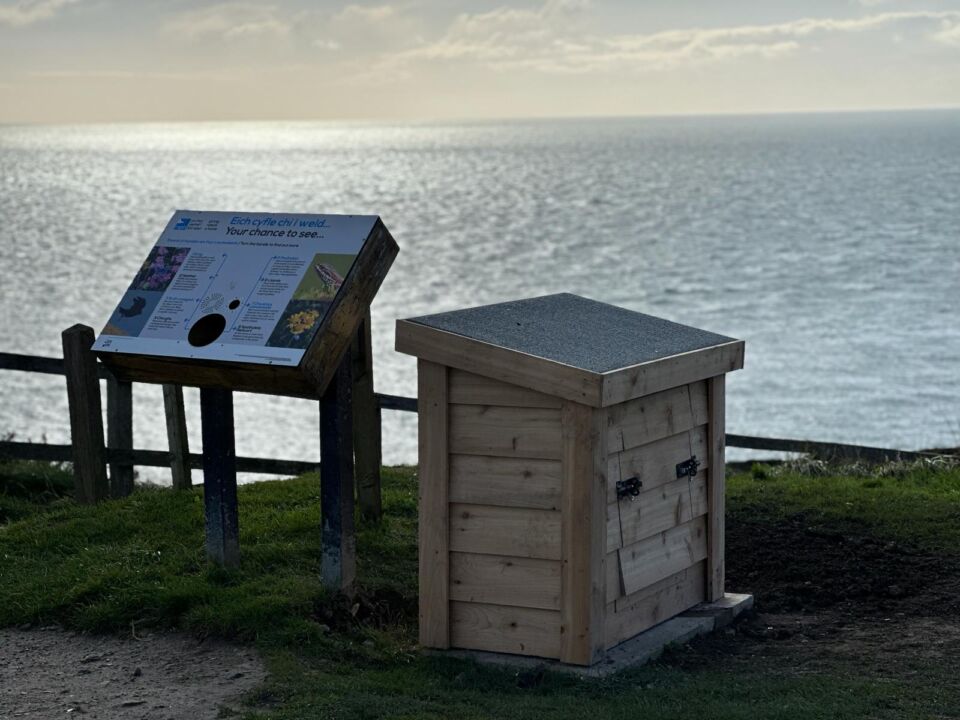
[(571, 474)]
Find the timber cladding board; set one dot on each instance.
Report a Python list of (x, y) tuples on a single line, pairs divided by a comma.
[(583, 544), (517, 532), (654, 511), (433, 533), (499, 628), (640, 611), (716, 488), (656, 557), (505, 431), (514, 482), (614, 535), (472, 389), (654, 417), (646, 378), (501, 580), (656, 462)]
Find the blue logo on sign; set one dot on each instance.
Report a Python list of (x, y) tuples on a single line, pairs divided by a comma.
[(182, 224)]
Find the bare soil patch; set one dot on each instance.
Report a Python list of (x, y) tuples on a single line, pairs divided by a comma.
[(793, 566), (826, 598), (49, 673)]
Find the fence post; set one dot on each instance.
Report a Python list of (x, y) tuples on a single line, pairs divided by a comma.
[(120, 433), (86, 419), (220, 477), (366, 426), (339, 545), (177, 437)]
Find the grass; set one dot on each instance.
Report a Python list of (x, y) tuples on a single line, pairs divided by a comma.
[(137, 563), (27, 488), (917, 504)]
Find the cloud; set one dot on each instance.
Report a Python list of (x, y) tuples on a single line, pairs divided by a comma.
[(363, 13), (549, 39), (506, 32), (948, 34), (27, 12), (231, 20), (135, 75), (363, 39)]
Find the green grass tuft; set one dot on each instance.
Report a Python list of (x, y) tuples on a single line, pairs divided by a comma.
[(917, 504), (27, 487)]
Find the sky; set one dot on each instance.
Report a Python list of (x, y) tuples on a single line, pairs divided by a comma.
[(72, 61)]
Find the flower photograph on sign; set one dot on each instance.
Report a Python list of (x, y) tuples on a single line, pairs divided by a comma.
[(160, 267), (298, 323)]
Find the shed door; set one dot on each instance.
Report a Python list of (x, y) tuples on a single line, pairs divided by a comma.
[(661, 531)]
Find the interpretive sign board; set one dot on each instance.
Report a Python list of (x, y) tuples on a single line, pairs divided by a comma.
[(236, 287), (259, 302)]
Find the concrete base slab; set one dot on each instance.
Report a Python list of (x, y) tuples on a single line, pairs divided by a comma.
[(648, 645)]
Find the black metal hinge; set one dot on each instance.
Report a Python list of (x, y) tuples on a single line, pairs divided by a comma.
[(628, 488), (688, 468)]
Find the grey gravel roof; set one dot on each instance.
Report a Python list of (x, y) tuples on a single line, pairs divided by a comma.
[(575, 331)]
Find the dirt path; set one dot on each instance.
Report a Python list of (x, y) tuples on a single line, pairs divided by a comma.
[(52, 673)]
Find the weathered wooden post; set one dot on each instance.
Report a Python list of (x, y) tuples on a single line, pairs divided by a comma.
[(220, 477), (177, 436), (86, 420), (366, 426), (120, 433), (338, 564)]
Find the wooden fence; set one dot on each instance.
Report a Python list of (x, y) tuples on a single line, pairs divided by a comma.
[(122, 456)]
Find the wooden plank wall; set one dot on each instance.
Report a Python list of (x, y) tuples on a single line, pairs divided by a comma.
[(505, 486), (513, 462), (657, 542)]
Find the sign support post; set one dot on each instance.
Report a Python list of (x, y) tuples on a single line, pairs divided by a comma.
[(177, 436), (366, 426), (338, 564), (120, 433), (220, 477)]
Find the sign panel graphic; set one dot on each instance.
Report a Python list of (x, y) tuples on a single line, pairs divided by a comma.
[(240, 287)]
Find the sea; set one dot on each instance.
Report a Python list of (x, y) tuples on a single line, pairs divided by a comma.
[(830, 243)]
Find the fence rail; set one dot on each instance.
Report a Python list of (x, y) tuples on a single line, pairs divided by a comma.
[(828, 450), (37, 364), (12, 450), (162, 458)]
